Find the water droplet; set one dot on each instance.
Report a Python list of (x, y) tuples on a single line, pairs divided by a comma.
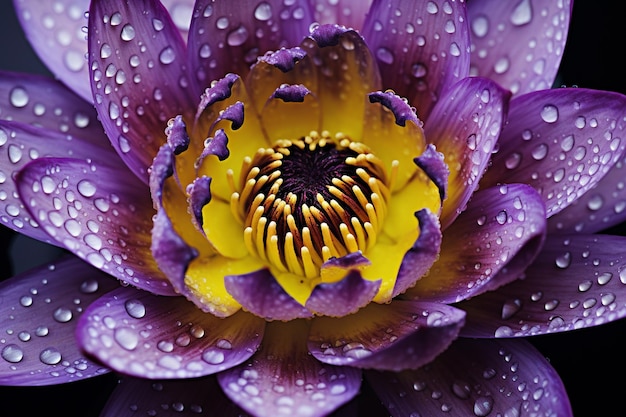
[(62, 315), (237, 37), (522, 14), (50, 356), (385, 55), (167, 55), (128, 33), (86, 188), (12, 353), (126, 338), (135, 308), (213, 356), (263, 11), (510, 307), (563, 261), (19, 97), (549, 113), (483, 406)]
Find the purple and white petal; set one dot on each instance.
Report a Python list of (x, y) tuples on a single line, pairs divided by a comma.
[(560, 141), (98, 211), (575, 282), (464, 125), (488, 245), (344, 297), (184, 398), (38, 315), (148, 336), (349, 13), (228, 36), (601, 207), (138, 77), (395, 336), (259, 293), (421, 48), (20, 144), (283, 379), (477, 378), (44, 102), (55, 31), (518, 44)]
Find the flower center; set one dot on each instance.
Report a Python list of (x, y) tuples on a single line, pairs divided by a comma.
[(305, 201)]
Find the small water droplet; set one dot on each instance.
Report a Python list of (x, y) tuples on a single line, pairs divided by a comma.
[(62, 315), (12, 353), (135, 308), (263, 11), (549, 113), (50, 356)]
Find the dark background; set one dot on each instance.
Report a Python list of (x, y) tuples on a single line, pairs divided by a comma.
[(591, 362)]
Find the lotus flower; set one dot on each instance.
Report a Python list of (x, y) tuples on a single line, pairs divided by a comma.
[(304, 201)]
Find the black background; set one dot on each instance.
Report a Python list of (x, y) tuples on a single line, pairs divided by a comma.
[(591, 362)]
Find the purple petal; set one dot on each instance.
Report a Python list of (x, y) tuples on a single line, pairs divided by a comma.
[(185, 397), (44, 102), (54, 29), (291, 93), (284, 59), (421, 256), (488, 245), (349, 13), (575, 282), (283, 379), (140, 334), (419, 61), (344, 297), (478, 378), (99, 212), (434, 166), (560, 141), (517, 44), (259, 293), (138, 76), (20, 144), (396, 336), (38, 315), (199, 192), (464, 125), (228, 37), (599, 208), (399, 107)]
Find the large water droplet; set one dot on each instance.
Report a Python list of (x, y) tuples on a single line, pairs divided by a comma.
[(263, 11), (12, 353), (549, 113), (50, 356)]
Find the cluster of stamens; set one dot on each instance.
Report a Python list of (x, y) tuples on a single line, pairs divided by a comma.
[(305, 201)]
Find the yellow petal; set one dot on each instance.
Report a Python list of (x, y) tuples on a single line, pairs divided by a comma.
[(222, 229)]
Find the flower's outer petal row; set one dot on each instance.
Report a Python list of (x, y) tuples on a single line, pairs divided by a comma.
[(396, 336), (87, 208), (560, 141), (599, 208), (478, 378), (185, 398), (138, 76), (144, 335), (228, 36), (346, 73), (20, 144), (421, 47), (349, 13), (343, 297), (181, 12), (259, 293), (55, 31), (488, 245), (518, 44), (45, 102), (576, 281), (271, 384), (38, 315), (464, 125)]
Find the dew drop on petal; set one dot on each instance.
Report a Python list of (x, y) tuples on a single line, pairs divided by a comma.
[(135, 308), (167, 55), (62, 315), (522, 14), (263, 11), (549, 114), (12, 353), (19, 97), (50, 356)]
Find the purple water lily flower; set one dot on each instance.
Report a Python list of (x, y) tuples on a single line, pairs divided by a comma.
[(303, 201)]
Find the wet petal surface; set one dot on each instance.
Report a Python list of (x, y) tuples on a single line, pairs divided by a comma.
[(139, 334), (39, 311), (575, 282), (478, 378)]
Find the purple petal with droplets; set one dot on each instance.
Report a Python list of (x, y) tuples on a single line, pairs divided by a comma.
[(217, 145), (344, 297), (234, 113), (284, 59), (177, 136), (219, 91), (259, 293), (185, 397), (54, 29), (398, 106), (228, 37), (575, 282), (138, 77), (349, 13), (404, 50), (327, 35), (22, 143), (488, 245), (560, 141), (38, 315), (41, 101), (424, 252), (291, 93), (283, 379), (478, 378), (86, 207), (464, 125), (396, 336), (599, 208), (433, 164), (148, 336), (518, 44), (199, 192)]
